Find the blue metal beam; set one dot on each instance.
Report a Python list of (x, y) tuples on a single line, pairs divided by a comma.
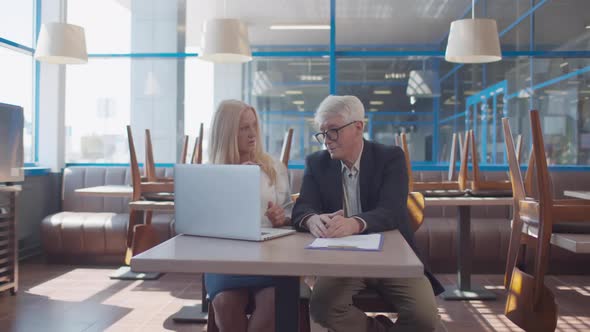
[(16, 46), (142, 55), (348, 54), (37, 87), (522, 17), (292, 54), (452, 117), (333, 74), (552, 81), (388, 54)]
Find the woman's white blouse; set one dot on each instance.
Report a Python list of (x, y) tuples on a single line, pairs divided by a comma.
[(278, 193)]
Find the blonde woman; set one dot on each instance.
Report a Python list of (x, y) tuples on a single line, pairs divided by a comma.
[(236, 139)]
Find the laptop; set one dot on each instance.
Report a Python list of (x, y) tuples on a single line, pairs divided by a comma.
[(220, 201)]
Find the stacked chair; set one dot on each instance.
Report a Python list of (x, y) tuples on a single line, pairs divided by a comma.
[(537, 223)]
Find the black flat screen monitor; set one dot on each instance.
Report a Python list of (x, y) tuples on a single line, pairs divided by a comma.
[(11, 144)]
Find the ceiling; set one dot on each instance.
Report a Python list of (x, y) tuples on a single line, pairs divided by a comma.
[(370, 22)]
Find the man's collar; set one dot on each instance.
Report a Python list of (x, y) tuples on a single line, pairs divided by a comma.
[(357, 163)]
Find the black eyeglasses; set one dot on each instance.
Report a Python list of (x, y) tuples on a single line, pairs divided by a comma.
[(332, 134)]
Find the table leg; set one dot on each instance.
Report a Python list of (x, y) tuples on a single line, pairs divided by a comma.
[(136, 217), (194, 313), (287, 304), (463, 291)]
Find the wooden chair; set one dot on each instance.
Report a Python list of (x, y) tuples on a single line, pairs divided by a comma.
[(480, 185), (415, 199), (147, 197), (286, 149), (150, 165), (531, 304), (520, 304), (198, 149)]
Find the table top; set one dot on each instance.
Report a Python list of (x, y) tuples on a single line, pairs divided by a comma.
[(284, 256), (577, 194), (468, 201), (106, 191)]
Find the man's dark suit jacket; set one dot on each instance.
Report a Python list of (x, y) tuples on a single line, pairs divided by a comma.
[(383, 186)]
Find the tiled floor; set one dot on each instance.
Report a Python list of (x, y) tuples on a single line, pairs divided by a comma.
[(75, 298)]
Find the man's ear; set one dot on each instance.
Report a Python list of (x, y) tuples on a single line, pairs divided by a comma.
[(360, 125)]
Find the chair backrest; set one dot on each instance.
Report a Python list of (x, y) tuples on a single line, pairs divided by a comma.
[(452, 158), (529, 176), (415, 201), (198, 149), (460, 139), (518, 190), (416, 206), (150, 166), (463, 170), (545, 197), (518, 193), (474, 157), (184, 150), (404, 146), (518, 147), (135, 176), (286, 149)]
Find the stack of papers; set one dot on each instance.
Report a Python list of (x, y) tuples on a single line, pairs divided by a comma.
[(368, 242)]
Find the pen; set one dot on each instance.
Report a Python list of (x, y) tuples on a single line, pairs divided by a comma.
[(287, 204)]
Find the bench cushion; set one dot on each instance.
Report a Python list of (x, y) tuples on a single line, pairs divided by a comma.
[(84, 234)]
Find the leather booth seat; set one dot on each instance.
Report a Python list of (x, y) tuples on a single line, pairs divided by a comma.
[(94, 229)]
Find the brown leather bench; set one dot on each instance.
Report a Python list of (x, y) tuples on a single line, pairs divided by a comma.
[(93, 229)]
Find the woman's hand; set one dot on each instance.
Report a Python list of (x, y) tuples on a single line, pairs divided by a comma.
[(276, 215), (250, 163)]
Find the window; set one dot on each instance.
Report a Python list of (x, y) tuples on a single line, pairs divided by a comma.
[(16, 21)]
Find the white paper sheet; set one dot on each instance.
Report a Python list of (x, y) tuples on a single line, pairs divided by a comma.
[(352, 242)]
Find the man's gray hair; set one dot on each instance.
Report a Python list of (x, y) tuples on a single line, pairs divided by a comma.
[(349, 107)]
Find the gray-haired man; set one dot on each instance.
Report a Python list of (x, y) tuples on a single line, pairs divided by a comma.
[(357, 186)]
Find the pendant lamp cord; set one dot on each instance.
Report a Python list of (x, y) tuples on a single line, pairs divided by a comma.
[(62, 11)]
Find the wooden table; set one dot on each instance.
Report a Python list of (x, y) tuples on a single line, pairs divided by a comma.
[(9, 240), (577, 194), (106, 191), (464, 290), (284, 257)]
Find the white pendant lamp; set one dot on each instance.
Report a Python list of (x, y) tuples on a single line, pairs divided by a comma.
[(473, 40), (225, 40), (61, 43)]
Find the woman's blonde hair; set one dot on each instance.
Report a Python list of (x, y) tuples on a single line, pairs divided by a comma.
[(223, 147)]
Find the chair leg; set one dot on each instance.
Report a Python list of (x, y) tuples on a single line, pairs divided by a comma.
[(304, 323), (135, 218), (144, 236), (211, 326)]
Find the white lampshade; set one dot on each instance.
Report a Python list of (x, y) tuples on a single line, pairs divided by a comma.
[(473, 41), (423, 84), (61, 43), (225, 40)]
